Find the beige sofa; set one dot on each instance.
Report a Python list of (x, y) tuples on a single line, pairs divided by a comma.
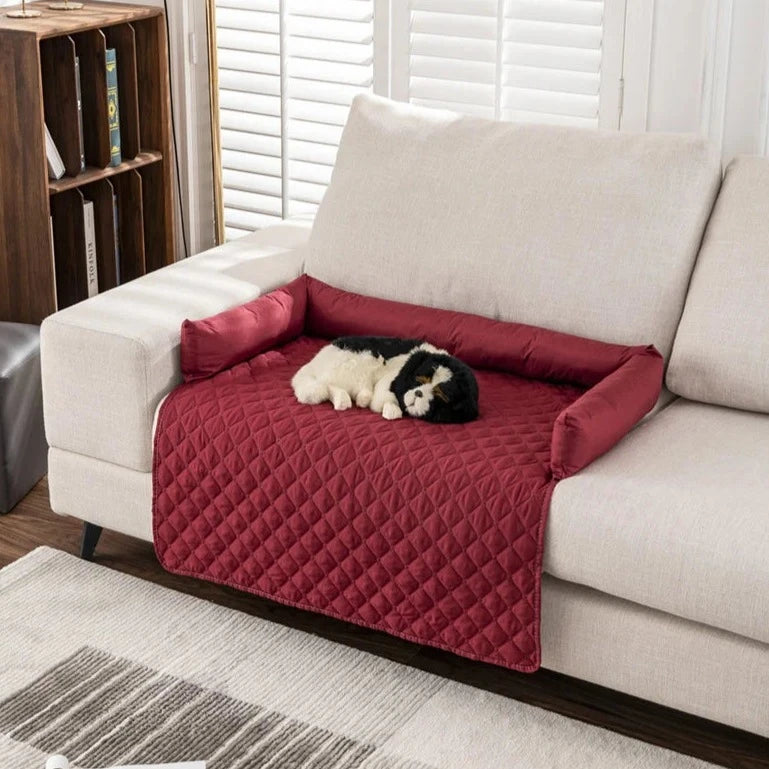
[(657, 555)]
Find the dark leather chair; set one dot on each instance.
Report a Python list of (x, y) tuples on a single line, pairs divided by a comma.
[(23, 449)]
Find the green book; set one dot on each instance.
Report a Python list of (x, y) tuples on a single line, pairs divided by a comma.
[(113, 110)]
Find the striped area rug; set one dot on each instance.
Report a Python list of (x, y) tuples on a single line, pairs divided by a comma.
[(108, 669)]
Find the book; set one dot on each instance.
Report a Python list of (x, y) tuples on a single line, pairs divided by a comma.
[(113, 108), (79, 113), (116, 227), (53, 263), (55, 163), (92, 272)]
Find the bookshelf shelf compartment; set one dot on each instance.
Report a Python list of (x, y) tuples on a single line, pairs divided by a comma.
[(100, 225), (91, 175), (57, 61)]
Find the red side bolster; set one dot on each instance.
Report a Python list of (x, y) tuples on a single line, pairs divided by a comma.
[(528, 351), (213, 344), (605, 413)]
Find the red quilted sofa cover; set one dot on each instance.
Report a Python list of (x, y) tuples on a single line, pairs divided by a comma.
[(430, 532)]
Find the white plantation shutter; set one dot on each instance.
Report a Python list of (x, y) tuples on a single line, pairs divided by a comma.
[(544, 61), (288, 70), (329, 59), (249, 58), (453, 55)]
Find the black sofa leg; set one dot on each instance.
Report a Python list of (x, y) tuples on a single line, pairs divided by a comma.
[(91, 534)]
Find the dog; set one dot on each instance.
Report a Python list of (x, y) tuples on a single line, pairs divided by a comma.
[(390, 376)]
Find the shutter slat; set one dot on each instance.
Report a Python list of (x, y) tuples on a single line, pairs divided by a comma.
[(252, 201), (319, 133), (249, 82), (248, 220), (326, 29), (246, 161), (307, 192), (552, 80), (553, 57), (252, 182), (476, 110), (454, 25), (453, 69), (243, 40), (322, 154), (464, 7), (453, 47), (332, 50), (242, 61), (256, 144), (454, 91), (546, 33), (552, 103), (309, 172), (248, 5), (300, 208), (331, 72), (561, 11), (256, 103), (331, 114), (254, 21), (249, 123), (324, 93), (343, 10)]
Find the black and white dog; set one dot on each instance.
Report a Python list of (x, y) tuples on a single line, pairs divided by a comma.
[(391, 377)]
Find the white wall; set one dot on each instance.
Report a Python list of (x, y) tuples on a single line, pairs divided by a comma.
[(700, 66)]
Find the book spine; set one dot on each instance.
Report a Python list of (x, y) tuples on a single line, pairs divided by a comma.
[(55, 163), (92, 273), (53, 264), (113, 109), (79, 113), (116, 223)]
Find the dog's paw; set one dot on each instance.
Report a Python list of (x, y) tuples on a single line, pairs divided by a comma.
[(341, 400), (391, 411), (363, 399)]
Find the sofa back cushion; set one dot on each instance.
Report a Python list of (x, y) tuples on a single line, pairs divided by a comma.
[(721, 350), (579, 231)]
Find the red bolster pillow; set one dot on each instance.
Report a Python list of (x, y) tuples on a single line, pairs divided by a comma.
[(606, 412), (213, 344)]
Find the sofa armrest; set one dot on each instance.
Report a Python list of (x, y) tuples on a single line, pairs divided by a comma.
[(107, 362)]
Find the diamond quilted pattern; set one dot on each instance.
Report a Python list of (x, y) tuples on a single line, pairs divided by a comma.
[(429, 532)]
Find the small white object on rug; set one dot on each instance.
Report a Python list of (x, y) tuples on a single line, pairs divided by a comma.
[(61, 762)]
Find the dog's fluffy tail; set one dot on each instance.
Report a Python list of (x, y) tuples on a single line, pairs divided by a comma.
[(308, 389)]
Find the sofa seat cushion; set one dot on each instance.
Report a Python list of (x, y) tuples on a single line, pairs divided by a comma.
[(676, 517), (584, 232)]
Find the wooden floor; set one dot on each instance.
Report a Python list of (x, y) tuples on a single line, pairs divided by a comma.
[(32, 523)]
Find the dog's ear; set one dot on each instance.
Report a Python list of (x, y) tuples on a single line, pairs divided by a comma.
[(438, 393)]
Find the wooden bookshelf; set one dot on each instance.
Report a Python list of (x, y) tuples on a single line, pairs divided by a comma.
[(42, 248)]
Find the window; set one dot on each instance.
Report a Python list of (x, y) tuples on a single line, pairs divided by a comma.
[(287, 74), (288, 70)]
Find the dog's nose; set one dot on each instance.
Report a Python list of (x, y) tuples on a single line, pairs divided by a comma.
[(418, 393)]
